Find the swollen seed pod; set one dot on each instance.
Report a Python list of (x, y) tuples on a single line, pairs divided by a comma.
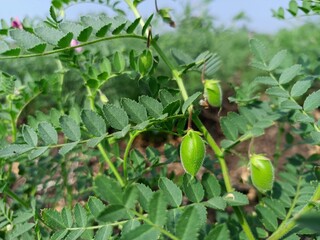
[(262, 172), (192, 151), (213, 92)]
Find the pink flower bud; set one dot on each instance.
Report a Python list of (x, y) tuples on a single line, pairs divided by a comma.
[(74, 43), (16, 23)]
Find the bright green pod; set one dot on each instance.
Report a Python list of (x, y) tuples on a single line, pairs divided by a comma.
[(192, 152), (213, 92), (262, 172)]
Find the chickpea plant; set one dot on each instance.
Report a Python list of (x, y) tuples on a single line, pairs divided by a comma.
[(83, 145)]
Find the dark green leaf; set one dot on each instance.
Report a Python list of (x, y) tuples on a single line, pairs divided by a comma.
[(312, 101), (103, 233), (47, 133), (37, 152), (75, 234), (289, 104), (108, 189), (68, 147), (228, 128), (189, 101), (193, 189), (157, 209), (258, 49), (219, 232), (113, 213), (133, 26), (136, 111), (130, 225), (122, 133), (216, 203), (153, 107), (130, 196), (146, 25), (54, 36), (145, 194), (59, 235), (70, 128), (311, 221), (118, 62), (188, 224), (267, 217), (85, 34), (171, 191), (145, 62), (29, 135), (289, 74), (67, 217), (20, 229), (211, 185), (236, 199), (166, 97), (53, 219), (293, 7), (278, 92), (14, 150), (80, 216), (266, 80), (276, 206), (95, 141), (277, 60), (301, 87), (93, 122), (142, 232), (28, 41), (95, 206), (116, 116)]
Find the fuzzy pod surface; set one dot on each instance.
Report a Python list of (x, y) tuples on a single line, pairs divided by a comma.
[(192, 152), (262, 172), (213, 92)]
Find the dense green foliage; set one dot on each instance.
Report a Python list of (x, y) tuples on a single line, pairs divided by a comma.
[(76, 97)]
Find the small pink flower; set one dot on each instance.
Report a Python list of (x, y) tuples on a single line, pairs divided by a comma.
[(16, 23), (75, 43)]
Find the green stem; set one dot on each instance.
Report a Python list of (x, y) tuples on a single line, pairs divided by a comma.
[(135, 11), (14, 196), (290, 224), (80, 45), (111, 165), (163, 231), (126, 154), (25, 105), (101, 149)]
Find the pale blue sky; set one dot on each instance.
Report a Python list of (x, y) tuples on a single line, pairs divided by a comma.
[(259, 11)]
